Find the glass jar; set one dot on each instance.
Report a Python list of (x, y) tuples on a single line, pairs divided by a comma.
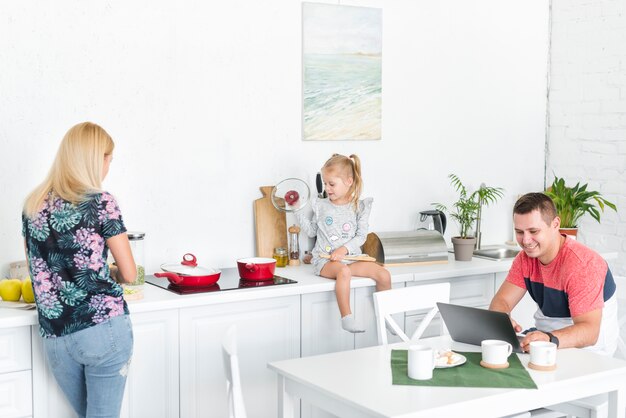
[(294, 246), (136, 247), (281, 257)]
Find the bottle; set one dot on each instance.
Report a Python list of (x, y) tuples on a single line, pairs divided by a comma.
[(136, 247), (294, 246), (280, 255)]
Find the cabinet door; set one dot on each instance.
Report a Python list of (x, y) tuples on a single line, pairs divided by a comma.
[(15, 349), (321, 325), (152, 386), (16, 400), (267, 330)]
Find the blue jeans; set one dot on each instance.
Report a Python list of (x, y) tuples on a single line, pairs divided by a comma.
[(91, 366)]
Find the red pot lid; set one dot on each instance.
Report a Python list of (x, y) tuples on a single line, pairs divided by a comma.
[(188, 267)]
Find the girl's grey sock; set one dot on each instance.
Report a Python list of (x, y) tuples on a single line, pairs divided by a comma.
[(349, 324)]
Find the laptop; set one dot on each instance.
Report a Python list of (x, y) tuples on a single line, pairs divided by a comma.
[(472, 325)]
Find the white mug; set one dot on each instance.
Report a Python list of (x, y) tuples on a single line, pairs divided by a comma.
[(496, 351), (421, 362), (542, 353)]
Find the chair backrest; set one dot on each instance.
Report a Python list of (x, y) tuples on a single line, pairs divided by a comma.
[(620, 282), (236, 406), (421, 297)]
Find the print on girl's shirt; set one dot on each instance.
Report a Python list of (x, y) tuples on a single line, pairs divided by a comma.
[(334, 238), (328, 248), (346, 227), (329, 220)]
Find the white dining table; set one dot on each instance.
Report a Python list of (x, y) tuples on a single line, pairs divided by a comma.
[(358, 383)]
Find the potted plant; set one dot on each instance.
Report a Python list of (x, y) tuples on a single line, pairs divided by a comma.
[(574, 202), (465, 211)]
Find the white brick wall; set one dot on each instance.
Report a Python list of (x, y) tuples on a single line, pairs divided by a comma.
[(587, 111)]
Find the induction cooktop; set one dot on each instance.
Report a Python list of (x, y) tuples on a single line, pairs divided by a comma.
[(229, 280)]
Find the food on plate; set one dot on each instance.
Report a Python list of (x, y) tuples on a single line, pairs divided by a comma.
[(447, 358), (291, 197), (11, 289), (27, 290)]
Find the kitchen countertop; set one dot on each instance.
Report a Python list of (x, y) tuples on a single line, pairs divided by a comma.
[(156, 299)]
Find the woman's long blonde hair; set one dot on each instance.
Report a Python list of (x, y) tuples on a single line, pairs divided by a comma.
[(77, 168), (347, 167)]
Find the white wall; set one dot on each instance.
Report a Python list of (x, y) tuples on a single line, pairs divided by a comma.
[(203, 100), (587, 112)]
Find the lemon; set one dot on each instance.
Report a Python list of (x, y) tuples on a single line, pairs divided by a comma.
[(11, 289), (27, 290)]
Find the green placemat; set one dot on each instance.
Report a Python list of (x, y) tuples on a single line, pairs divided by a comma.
[(470, 374)]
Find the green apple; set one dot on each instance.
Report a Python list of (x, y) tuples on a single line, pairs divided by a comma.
[(27, 290), (11, 289)]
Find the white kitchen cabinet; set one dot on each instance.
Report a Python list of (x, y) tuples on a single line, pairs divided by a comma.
[(16, 396), (267, 330), (16, 400), (153, 380), (321, 324), (152, 384)]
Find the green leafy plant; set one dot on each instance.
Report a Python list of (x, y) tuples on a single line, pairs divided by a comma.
[(466, 210), (573, 202)]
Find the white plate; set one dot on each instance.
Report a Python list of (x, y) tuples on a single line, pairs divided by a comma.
[(460, 360)]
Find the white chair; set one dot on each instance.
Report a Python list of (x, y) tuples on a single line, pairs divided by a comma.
[(388, 302), (597, 406), (236, 407)]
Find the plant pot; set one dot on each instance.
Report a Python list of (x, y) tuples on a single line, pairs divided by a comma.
[(463, 248), (572, 232)]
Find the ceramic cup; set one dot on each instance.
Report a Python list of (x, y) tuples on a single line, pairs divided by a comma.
[(495, 352), (421, 362), (542, 353)]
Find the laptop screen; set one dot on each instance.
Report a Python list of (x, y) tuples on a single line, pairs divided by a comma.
[(473, 325)]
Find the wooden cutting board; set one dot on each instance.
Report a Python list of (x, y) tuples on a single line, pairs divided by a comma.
[(270, 225)]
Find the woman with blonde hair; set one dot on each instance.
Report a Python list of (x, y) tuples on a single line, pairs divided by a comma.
[(69, 225), (340, 223)]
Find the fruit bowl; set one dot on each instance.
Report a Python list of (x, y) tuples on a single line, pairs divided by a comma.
[(290, 195)]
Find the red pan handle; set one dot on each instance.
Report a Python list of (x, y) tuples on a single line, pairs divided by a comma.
[(189, 260), (172, 277)]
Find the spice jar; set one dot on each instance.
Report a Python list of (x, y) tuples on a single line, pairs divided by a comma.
[(294, 246), (280, 255), (136, 247), (308, 257)]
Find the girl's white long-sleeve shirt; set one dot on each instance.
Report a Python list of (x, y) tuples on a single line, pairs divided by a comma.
[(336, 226)]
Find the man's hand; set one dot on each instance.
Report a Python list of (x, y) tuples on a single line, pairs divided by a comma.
[(533, 336)]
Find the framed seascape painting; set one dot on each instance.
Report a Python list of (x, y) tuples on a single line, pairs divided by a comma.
[(342, 72)]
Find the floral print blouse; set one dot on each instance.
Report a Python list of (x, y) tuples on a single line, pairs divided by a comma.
[(67, 256)]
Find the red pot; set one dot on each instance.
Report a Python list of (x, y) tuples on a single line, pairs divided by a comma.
[(256, 268), (188, 273)]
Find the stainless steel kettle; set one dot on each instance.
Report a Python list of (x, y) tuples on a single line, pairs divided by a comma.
[(433, 220)]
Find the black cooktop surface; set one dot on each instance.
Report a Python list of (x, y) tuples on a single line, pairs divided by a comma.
[(229, 280)]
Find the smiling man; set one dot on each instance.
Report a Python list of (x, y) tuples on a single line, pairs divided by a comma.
[(571, 284)]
